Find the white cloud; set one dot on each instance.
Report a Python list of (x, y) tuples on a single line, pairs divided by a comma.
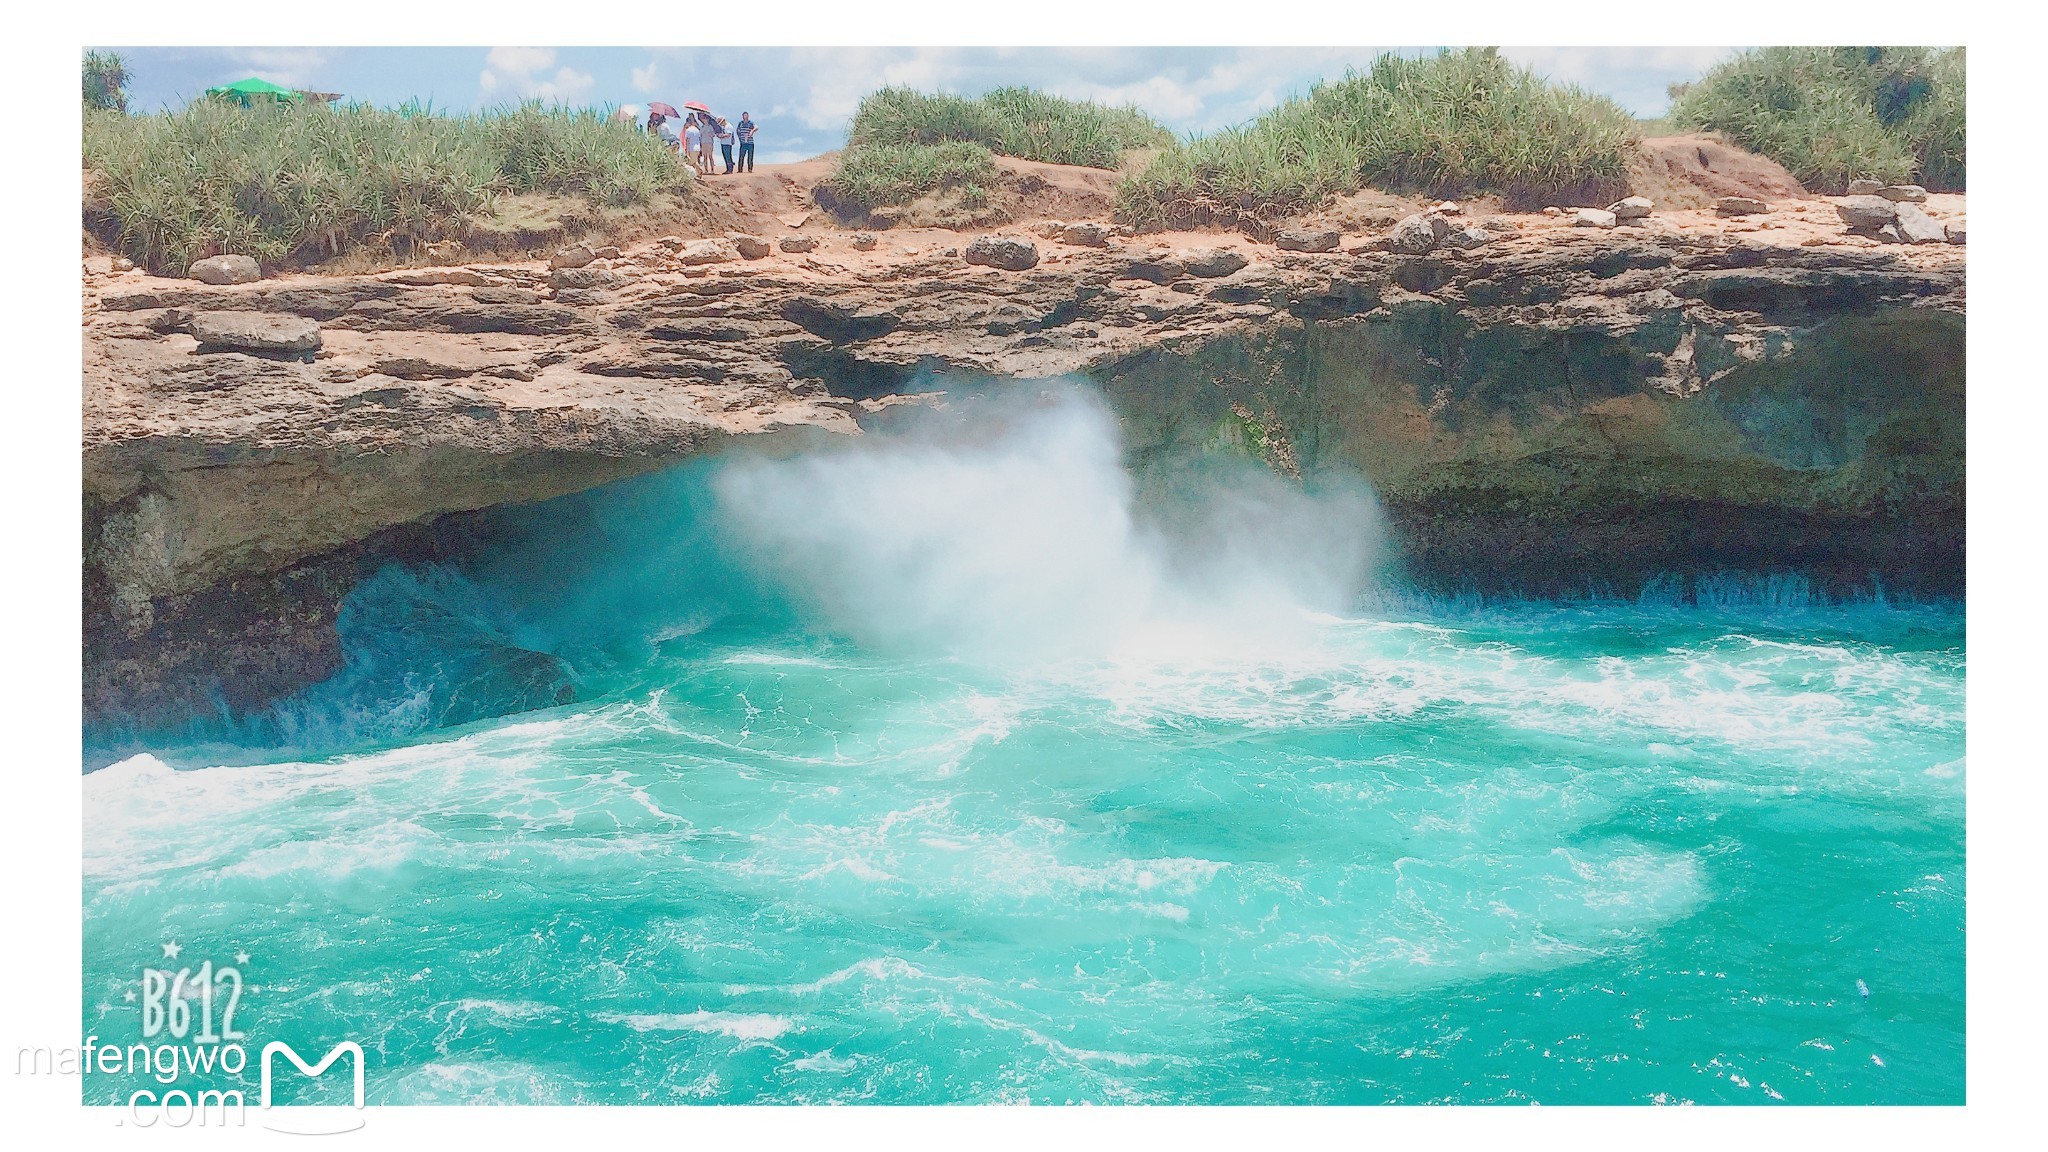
[(645, 80), (519, 74), (1634, 77), (291, 67)]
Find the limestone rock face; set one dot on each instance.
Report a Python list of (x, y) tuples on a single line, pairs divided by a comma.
[(1593, 218), (1010, 253), (1866, 213), (226, 270), (1632, 208), (585, 277), (1904, 193), (219, 486), (1308, 240), (262, 333)]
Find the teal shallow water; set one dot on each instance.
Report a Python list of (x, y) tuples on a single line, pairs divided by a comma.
[(1564, 854), (945, 771)]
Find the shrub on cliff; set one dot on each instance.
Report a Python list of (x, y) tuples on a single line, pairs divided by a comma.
[(868, 178), (1832, 115), (292, 182), (103, 80), (904, 144), (1453, 124)]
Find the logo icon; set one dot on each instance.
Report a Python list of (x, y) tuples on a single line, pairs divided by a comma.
[(313, 1071)]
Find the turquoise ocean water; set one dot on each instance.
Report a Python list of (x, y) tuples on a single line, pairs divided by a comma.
[(935, 773)]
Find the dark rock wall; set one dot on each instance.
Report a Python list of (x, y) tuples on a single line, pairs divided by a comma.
[(1547, 462)]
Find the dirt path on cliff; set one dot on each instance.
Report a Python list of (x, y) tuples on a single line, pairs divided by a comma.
[(1682, 174)]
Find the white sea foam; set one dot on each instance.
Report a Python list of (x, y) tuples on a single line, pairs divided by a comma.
[(738, 1025)]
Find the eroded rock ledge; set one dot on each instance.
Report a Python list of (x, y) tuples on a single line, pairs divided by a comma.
[(1547, 409)]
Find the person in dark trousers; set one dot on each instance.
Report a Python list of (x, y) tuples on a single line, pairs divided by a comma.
[(724, 134), (745, 131)]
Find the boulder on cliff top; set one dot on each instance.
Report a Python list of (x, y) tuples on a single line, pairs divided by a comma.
[(1419, 233), (1593, 218), (1085, 235), (1006, 252), (1866, 213), (798, 243), (1470, 236), (1958, 231), (1156, 269), (574, 256), (1865, 187), (1917, 227), (1308, 240), (226, 270), (1210, 263), (708, 252), (263, 333), (864, 241), (1632, 208), (1904, 193), (1740, 206), (751, 247)]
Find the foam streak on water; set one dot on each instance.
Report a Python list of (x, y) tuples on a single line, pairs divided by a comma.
[(1146, 832)]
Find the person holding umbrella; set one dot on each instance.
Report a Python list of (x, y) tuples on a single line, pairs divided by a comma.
[(659, 117), (696, 145), (704, 134)]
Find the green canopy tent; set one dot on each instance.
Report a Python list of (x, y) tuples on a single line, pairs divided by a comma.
[(247, 92)]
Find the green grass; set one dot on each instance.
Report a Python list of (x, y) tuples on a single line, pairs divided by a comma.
[(1452, 124), (1831, 115), (292, 184), (904, 144), (1020, 122), (869, 178)]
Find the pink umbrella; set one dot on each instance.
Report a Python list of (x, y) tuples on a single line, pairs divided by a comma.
[(697, 106)]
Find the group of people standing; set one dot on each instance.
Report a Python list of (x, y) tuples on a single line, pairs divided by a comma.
[(698, 131)]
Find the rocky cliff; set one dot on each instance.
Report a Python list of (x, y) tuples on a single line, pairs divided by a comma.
[(1554, 410)]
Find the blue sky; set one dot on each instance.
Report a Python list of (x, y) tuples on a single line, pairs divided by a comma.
[(802, 97)]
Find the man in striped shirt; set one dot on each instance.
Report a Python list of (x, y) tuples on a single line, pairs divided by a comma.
[(745, 131)]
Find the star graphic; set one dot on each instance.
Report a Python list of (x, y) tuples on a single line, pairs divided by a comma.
[(171, 950), (241, 957), (129, 996)]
